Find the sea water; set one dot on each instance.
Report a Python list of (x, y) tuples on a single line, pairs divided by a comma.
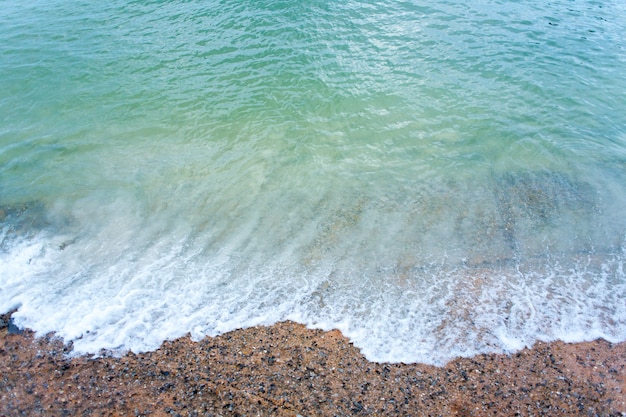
[(434, 179)]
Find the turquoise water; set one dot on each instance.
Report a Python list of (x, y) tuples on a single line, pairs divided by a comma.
[(434, 180)]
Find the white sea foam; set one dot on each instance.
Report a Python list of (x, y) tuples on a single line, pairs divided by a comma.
[(129, 288)]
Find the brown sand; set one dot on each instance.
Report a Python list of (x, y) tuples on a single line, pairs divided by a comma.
[(289, 370)]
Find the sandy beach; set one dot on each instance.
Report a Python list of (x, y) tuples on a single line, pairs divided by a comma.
[(289, 370)]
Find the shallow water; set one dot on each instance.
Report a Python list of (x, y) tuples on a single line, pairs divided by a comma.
[(434, 181)]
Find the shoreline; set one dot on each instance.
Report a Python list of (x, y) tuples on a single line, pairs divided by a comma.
[(287, 369)]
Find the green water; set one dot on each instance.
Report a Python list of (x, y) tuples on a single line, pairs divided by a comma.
[(433, 179)]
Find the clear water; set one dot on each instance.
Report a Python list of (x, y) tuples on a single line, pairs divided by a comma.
[(432, 178)]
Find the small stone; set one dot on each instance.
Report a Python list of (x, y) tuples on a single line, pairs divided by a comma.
[(13, 329)]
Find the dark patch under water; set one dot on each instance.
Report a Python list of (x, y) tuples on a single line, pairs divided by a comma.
[(531, 202), (22, 220)]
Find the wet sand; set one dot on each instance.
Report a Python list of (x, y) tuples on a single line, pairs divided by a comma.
[(289, 370)]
